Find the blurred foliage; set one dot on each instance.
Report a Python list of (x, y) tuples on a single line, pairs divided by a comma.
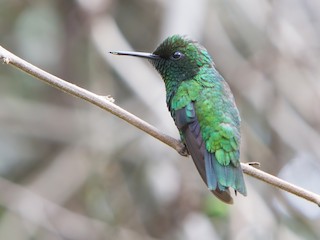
[(71, 171)]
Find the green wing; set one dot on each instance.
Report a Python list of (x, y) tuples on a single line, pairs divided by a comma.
[(220, 128)]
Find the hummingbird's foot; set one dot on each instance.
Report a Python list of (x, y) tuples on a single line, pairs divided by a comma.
[(254, 164), (182, 150)]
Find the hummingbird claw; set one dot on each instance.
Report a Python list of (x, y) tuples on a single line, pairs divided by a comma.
[(182, 150)]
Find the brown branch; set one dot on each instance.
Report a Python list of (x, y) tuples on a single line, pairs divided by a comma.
[(100, 101), (105, 103), (279, 183)]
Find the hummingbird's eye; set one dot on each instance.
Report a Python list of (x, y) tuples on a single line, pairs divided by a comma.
[(177, 55)]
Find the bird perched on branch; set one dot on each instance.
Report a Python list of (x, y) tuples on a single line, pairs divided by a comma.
[(203, 108)]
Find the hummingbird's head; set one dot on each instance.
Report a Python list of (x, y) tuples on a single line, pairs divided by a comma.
[(180, 58), (177, 58)]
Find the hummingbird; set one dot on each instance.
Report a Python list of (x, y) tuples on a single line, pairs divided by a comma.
[(203, 108)]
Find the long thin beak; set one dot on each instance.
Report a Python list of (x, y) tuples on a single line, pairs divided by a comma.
[(137, 54)]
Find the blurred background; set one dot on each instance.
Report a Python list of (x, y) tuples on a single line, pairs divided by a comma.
[(69, 170)]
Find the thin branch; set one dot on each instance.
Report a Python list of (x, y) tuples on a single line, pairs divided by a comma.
[(100, 101), (279, 183), (105, 103)]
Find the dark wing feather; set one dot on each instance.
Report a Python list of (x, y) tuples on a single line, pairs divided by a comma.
[(187, 122)]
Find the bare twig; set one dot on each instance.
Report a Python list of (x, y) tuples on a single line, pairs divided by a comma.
[(106, 104)]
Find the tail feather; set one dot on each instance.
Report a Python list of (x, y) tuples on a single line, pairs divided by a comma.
[(210, 172), (228, 176)]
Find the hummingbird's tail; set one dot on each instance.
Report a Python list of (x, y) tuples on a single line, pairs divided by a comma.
[(224, 196), (212, 178), (221, 177)]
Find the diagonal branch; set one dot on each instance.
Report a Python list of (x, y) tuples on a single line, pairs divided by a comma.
[(100, 101), (105, 103)]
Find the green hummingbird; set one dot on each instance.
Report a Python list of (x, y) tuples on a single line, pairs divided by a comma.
[(203, 109)]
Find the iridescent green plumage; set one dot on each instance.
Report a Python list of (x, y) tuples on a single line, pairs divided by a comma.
[(203, 108)]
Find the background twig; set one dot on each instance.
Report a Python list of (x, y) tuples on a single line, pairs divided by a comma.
[(105, 103)]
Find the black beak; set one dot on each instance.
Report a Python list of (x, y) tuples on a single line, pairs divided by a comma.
[(137, 54)]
